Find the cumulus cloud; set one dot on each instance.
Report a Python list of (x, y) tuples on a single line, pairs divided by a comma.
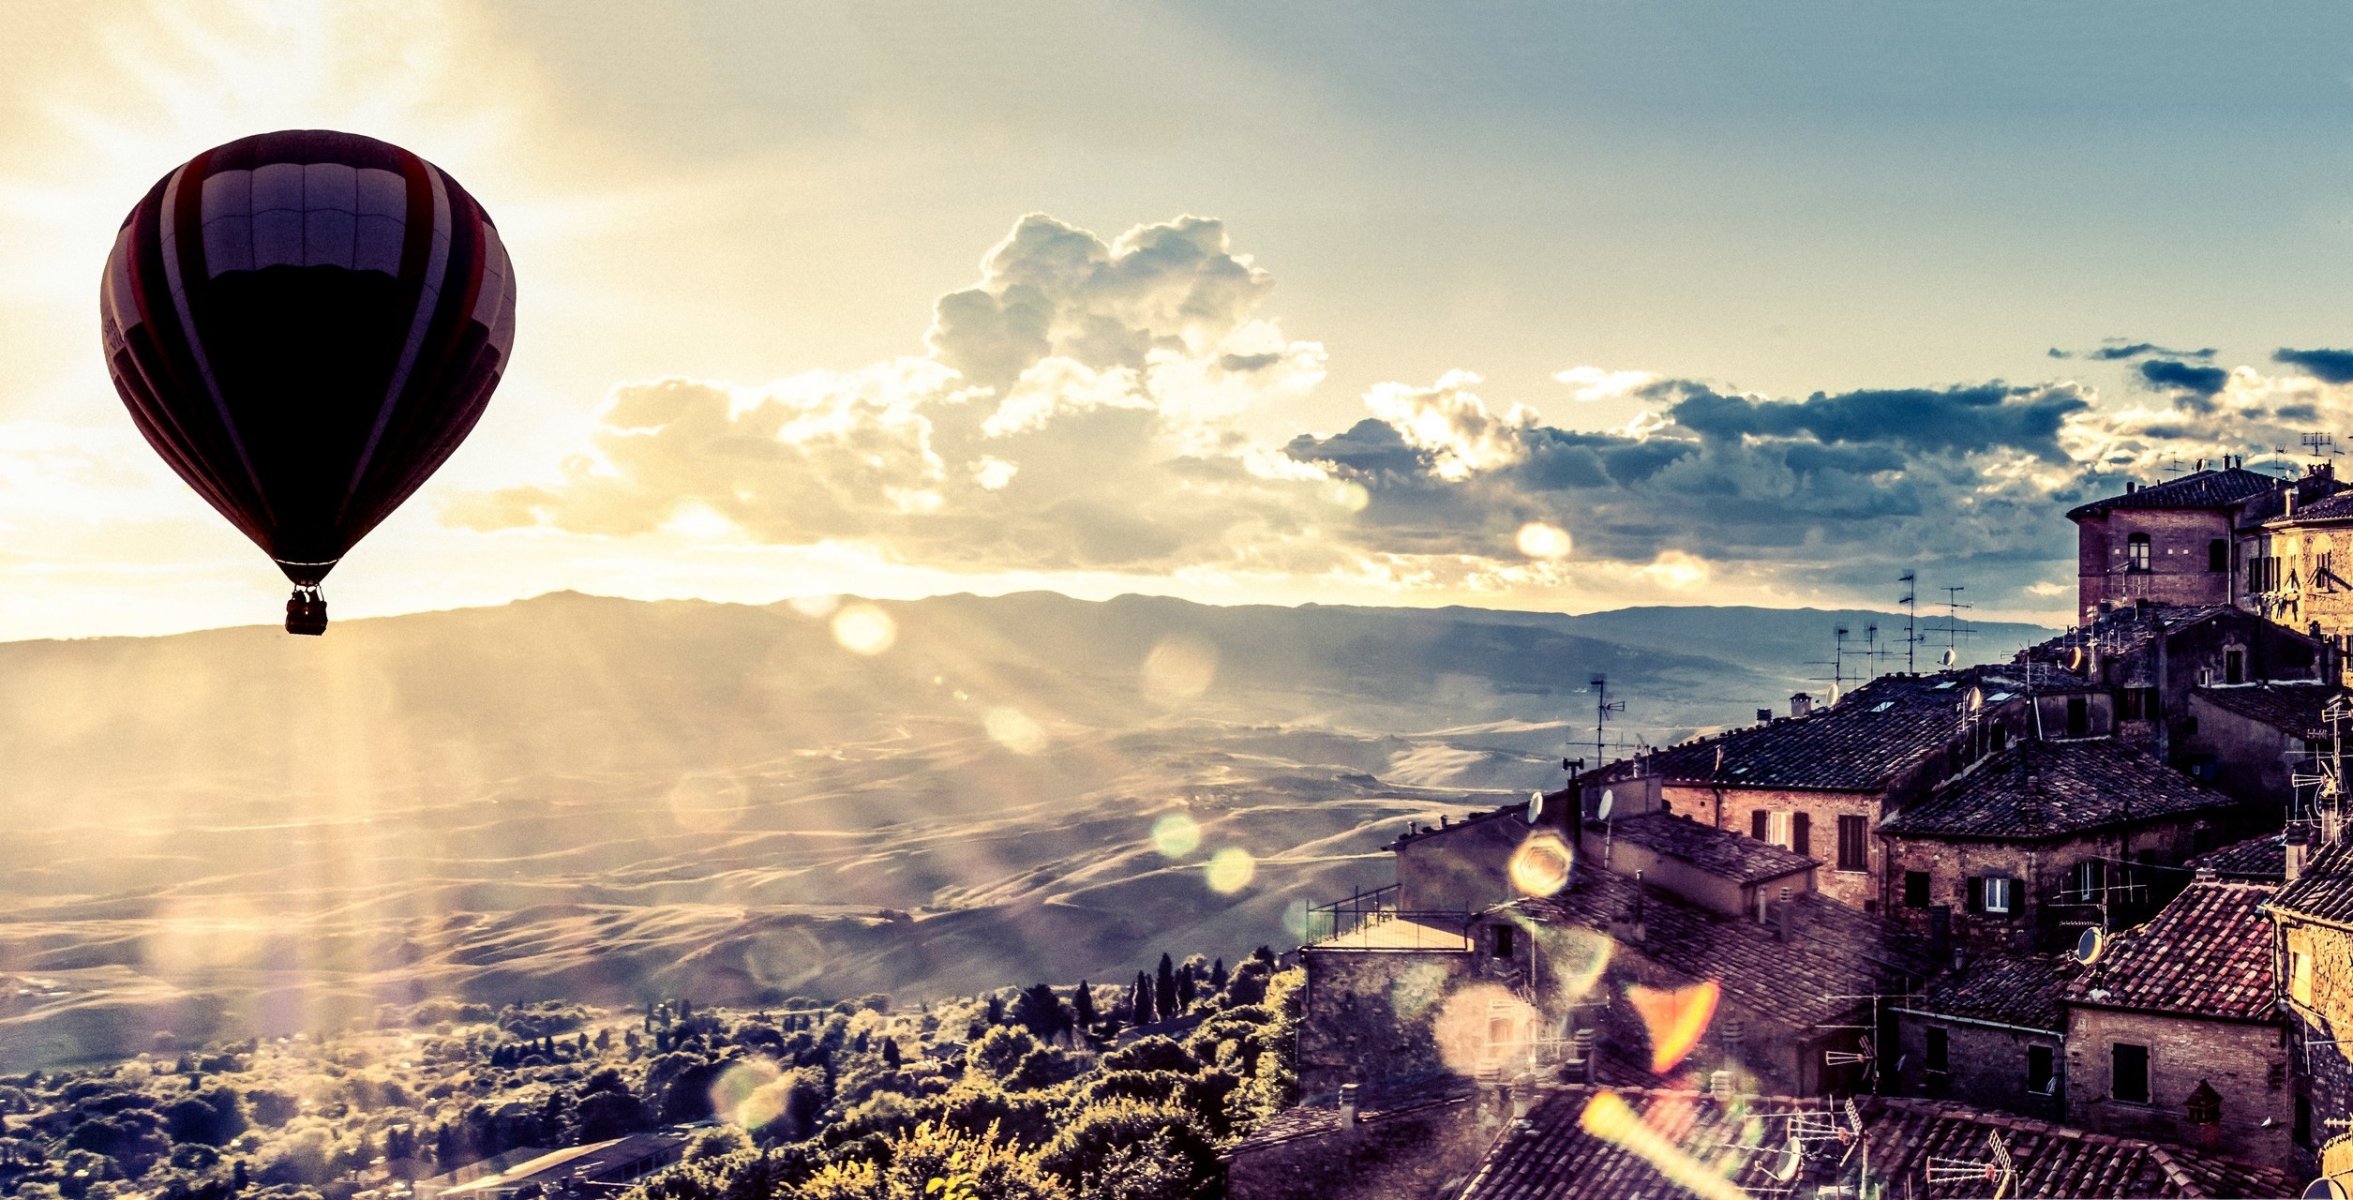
[(1078, 410)]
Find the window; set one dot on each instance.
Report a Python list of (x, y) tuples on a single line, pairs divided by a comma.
[(2302, 1129), (2040, 1079), (2139, 704), (2136, 552), (1781, 829), (2299, 975), (1915, 889), (2234, 665), (2128, 1073), (2218, 555), (2086, 881), (2324, 571), (2204, 1105), (2079, 716), (1501, 947), (1800, 831), (1853, 844), (1936, 1051), (2000, 894)]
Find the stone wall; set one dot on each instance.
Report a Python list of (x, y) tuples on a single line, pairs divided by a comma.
[(1367, 1014), (1985, 1065), (2248, 757), (2040, 920), (1463, 867), (2323, 1075), (1411, 1153), (2246, 1064)]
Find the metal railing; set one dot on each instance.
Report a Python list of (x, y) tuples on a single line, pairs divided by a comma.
[(1365, 911)]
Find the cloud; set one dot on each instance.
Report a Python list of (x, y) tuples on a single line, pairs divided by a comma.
[(1081, 411), (2196, 382), (2328, 366)]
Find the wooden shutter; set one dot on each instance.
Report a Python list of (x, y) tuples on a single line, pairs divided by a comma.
[(1977, 893), (1798, 840), (1756, 825)]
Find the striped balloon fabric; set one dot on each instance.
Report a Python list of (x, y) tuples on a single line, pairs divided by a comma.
[(305, 324)]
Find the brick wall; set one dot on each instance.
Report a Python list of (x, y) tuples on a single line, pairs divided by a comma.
[(2322, 1074), (1984, 1065), (2248, 756), (2323, 598), (2179, 555), (1859, 889), (2245, 1063)]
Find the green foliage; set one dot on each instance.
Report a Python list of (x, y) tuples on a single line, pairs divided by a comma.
[(930, 1162)]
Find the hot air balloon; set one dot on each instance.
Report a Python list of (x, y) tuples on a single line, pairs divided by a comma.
[(304, 325)]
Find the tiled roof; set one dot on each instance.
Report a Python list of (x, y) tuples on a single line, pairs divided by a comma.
[(1555, 1156), (1719, 852), (2016, 989), (1376, 1102), (2034, 790), (2205, 489), (2293, 707), (2260, 859), (2325, 890), (2206, 954), (1838, 951), (1864, 743), (2336, 508), (2125, 636)]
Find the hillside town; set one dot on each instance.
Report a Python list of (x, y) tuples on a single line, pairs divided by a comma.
[(2075, 924)]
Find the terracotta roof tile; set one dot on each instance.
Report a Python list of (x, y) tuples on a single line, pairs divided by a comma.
[(2054, 789), (1719, 852), (2325, 890), (2206, 954), (2007, 989), (2205, 489), (2259, 859), (1553, 1157), (2292, 707)]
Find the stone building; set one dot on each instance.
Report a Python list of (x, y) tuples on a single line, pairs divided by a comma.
[(2199, 539), (1584, 1143), (2173, 1032), (2313, 962), (1990, 1033), (1713, 868), (2307, 584), (2247, 740), (1819, 782), (2039, 840)]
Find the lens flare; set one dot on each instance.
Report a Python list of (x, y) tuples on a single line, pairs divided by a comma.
[(1014, 730), (1540, 866), (1347, 494), (1179, 668), (1613, 1120), (1176, 835), (1483, 1025), (1574, 957), (706, 803), (864, 629), (1230, 870), (1676, 1018), (746, 1094), (815, 607), (1541, 540)]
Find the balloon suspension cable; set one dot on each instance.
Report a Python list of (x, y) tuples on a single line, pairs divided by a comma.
[(306, 611)]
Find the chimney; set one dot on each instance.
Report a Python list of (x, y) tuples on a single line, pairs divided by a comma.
[(1583, 1040), (1800, 704), (2295, 861), (1348, 1107), (1720, 1086), (1523, 1097), (1764, 716), (2288, 500), (1783, 916)]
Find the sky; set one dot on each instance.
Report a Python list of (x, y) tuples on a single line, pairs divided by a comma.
[(1561, 307)]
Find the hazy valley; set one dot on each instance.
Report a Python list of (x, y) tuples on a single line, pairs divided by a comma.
[(605, 800)]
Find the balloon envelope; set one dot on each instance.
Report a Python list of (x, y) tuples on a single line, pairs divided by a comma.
[(305, 324)]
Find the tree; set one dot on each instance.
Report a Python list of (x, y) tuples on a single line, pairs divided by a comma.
[(1142, 1001), (1164, 992), (1218, 976), (1082, 1005), (890, 1053), (1186, 988), (1039, 1010), (1000, 1052), (934, 1162)]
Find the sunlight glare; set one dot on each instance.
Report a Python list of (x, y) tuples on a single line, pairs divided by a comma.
[(1540, 866), (1180, 667), (1176, 835), (1014, 730), (1539, 539), (864, 629), (1676, 1018)]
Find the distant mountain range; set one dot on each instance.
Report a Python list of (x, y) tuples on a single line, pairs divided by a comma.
[(236, 830)]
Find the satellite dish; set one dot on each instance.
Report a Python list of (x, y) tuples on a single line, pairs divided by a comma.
[(1834, 694), (1792, 1158), (1902, 1061), (1976, 700), (2089, 946), (2075, 659), (1949, 657), (1535, 807), (2324, 1189), (1601, 811)]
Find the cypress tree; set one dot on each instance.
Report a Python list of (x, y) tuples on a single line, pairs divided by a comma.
[(1164, 995)]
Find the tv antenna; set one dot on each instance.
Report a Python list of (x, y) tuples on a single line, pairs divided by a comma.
[(1911, 603), (1603, 706), (1866, 1051), (2173, 464), (1954, 631), (2319, 444), (1999, 1170)]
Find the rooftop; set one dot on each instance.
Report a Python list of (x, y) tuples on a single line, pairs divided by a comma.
[(2011, 989), (2037, 790), (2259, 859), (1719, 852), (2123, 638), (2293, 707), (1558, 1155), (1867, 742), (1838, 951), (2336, 508), (2206, 954), (2324, 892), (2226, 488)]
